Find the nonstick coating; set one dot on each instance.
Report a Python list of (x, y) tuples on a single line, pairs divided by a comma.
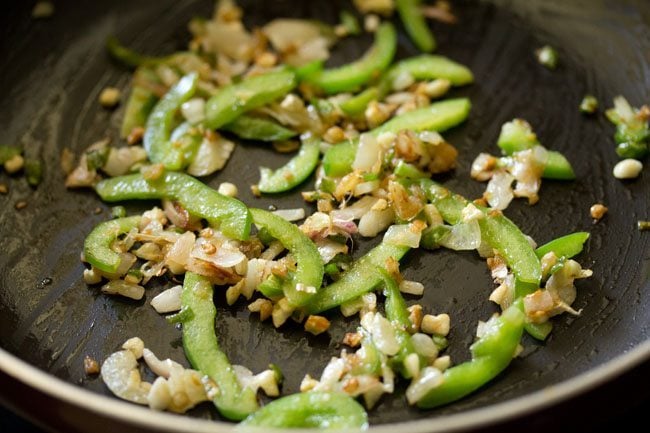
[(52, 70)]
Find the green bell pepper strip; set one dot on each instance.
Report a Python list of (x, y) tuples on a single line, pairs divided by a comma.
[(309, 268), (517, 135), (438, 116), (371, 362), (491, 354), (156, 139), (140, 103), (256, 128), (308, 69), (350, 22), (361, 278), (127, 56), (358, 103), (185, 142), (296, 171), (496, 229), (323, 410), (397, 313), (33, 171), (97, 246), (234, 100), (409, 171), (429, 67), (416, 24), (203, 352), (228, 214), (350, 77), (8, 152), (566, 246)]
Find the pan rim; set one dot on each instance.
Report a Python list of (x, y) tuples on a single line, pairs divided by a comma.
[(135, 415)]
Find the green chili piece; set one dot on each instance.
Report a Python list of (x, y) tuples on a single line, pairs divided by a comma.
[(350, 22), (409, 171), (303, 284), (294, 172), (228, 214), (97, 246), (362, 277), (566, 246), (491, 354), (257, 128), (203, 352), (309, 69), (438, 116), (496, 229), (140, 103), (33, 171), (416, 24), (350, 77), (547, 56), (431, 67), (234, 100), (398, 314), (8, 152), (127, 56), (156, 139), (357, 104), (518, 135), (324, 410), (589, 104)]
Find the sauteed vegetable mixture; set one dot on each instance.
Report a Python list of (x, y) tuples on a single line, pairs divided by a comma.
[(369, 132)]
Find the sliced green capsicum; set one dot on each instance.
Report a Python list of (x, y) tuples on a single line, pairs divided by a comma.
[(228, 214), (323, 410), (294, 172), (236, 99), (438, 116), (305, 282), (97, 246), (202, 349)]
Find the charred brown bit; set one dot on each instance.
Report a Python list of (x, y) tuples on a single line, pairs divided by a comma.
[(20, 205), (317, 325), (91, 366), (3, 188), (135, 136), (352, 339), (598, 211)]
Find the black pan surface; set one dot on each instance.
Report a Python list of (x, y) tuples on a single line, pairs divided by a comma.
[(51, 72)]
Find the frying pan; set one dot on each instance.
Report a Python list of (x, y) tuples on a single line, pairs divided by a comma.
[(51, 72)]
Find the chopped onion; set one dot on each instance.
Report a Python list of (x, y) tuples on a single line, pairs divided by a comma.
[(266, 380), (403, 235), (368, 153), (499, 190), (122, 288), (194, 110), (179, 253), (355, 211), (425, 346), (375, 221), (383, 333), (120, 161), (161, 368), (366, 188), (224, 255), (168, 301), (429, 379), (120, 374), (291, 214), (211, 156), (179, 216), (463, 236), (328, 249), (301, 40), (229, 38), (411, 287)]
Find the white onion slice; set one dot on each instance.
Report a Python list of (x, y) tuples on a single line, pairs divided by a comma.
[(168, 301), (403, 235), (428, 380), (291, 214), (194, 110), (120, 374), (463, 236), (368, 153)]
